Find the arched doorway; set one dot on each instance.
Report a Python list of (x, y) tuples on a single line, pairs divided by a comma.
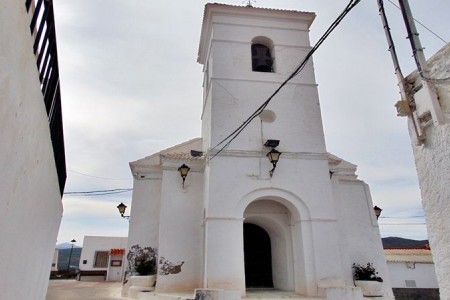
[(257, 257), (267, 228)]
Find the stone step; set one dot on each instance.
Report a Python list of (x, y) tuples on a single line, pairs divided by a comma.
[(251, 295), (271, 294)]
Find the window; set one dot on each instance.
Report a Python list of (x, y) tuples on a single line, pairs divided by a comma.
[(410, 283), (101, 259), (262, 60)]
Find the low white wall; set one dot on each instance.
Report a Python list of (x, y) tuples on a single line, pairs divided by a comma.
[(424, 275), (30, 197)]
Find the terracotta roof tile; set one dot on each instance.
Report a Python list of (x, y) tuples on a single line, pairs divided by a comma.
[(408, 255)]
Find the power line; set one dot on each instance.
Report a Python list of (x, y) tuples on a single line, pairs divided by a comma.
[(99, 177), (428, 29), (330, 29), (383, 224), (409, 217), (98, 192)]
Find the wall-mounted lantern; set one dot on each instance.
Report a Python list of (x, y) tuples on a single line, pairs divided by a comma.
[(273, 154), (377, 211), (184, 170), (122, 207)]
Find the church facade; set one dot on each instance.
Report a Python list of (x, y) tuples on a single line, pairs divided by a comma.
[(237, 220)]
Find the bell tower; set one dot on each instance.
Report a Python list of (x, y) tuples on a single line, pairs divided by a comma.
[(247, 53)]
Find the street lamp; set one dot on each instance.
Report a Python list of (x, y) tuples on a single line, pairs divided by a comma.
[(273, 156), (122, 207), (184, 170), (377, 211), (70, 256)]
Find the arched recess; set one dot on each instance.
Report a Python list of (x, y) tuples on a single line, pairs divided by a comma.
[(285, 218)]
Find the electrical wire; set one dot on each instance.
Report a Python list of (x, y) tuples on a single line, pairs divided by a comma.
[(403, 223), (98, 193), (227, 140), (410, 217), (99, 177), (384, 224), (428, 29)]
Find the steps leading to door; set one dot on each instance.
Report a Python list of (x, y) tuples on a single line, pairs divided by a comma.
[(252, 294)]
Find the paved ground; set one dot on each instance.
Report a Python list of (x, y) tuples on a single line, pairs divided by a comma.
[(83, 290), (104, 290)]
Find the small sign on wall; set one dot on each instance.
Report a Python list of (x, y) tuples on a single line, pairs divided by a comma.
[(116, 263)]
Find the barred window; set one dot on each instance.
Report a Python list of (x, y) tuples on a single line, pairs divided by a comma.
[(101, 259)]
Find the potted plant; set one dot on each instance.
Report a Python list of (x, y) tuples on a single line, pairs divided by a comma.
[(142, 264), (366, 277)]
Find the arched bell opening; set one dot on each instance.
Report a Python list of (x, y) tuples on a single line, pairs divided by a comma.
[(262, 56)]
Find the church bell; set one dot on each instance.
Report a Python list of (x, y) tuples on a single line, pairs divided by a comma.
[(262, 60)]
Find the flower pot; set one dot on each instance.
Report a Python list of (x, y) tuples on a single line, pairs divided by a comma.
[(143, 281), (370, 287)]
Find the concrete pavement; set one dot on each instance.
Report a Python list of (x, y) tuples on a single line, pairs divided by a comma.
[(83, 290)]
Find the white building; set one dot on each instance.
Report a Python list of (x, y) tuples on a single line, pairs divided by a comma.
[(102, 255), (412, 272), (32, 173), (231, 225), (432, 157)]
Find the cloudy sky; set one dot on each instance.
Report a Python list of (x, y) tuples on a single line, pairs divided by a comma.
[(131, 86)]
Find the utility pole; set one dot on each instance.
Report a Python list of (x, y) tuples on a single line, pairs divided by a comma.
[(70, 257), (404, 105), (430, 96)]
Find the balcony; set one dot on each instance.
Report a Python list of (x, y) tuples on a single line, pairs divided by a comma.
[(42, 28)]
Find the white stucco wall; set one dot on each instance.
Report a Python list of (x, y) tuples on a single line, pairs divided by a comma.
[(422, 273), (92, 244), (145, 213), (180, 228), (433, 170), (30, 197), (360, 235), (166, 216)]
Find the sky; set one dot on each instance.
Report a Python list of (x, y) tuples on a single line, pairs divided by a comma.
[(131, 86)]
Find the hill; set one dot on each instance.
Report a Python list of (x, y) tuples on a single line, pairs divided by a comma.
[(393, 242), (66, 246)]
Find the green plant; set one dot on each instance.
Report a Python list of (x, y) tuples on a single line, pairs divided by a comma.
[(142, 260), (366, 272)]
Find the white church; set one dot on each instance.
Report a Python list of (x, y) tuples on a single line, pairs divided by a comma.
[(237, 220)]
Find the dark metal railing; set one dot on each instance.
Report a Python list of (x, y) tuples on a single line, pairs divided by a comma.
[(42, 29)]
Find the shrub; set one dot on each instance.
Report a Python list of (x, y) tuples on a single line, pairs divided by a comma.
[(142, 260), (367, 272)]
